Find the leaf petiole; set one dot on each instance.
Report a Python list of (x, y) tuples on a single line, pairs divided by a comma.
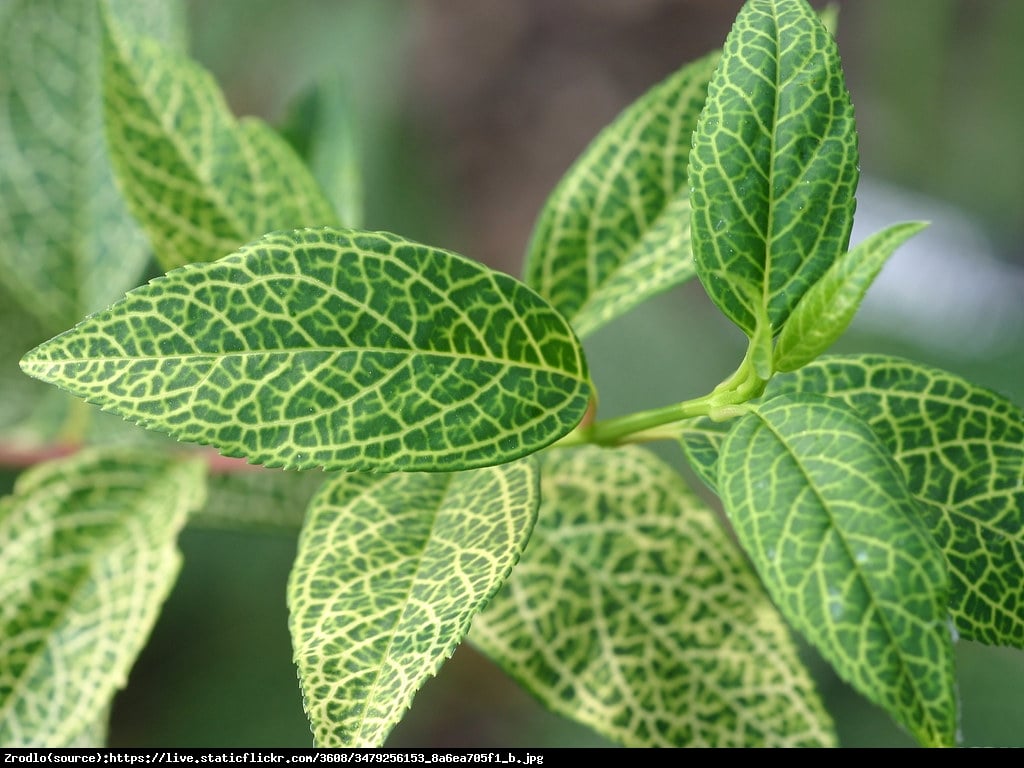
[(723, 402)]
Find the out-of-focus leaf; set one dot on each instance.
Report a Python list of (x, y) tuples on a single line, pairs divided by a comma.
[(201, 184), (67, 244), (87, 557), (616, 230), (390, 572), (634, 613)]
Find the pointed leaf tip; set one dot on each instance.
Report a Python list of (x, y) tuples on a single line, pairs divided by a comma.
[(773, 169)]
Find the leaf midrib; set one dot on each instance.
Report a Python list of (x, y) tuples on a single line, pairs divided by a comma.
[(764, 317), (37, 364), (905, 673), (616, 161), (770, 233)]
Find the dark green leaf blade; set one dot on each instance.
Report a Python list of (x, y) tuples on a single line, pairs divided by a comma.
[(88, 557), (824, 513), (333, 348), (199, 183), (634, 613), (825, 311), (616, 230), (773, 167), (390, 572), (961, 449)]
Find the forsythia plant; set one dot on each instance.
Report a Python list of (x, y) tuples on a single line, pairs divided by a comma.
[(460, 493)]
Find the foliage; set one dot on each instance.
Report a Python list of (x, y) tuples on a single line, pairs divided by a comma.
[(469, 494)]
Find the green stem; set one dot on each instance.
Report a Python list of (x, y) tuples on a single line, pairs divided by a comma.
[(618, 430), (646, 426)]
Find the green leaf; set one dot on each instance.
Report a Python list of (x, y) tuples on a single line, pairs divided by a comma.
[(32, 414), (93, 735), (961, 449), (67, 244), (321, 128), (283, 188), (632, 612), (773, 167), (333, 348), (88, 556), (822, 509), (201, 184), (390, 572), (20, 394), (616, 230), (701, 440), (825, 311)]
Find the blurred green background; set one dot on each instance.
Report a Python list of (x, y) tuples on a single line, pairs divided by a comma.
[(466, 113)]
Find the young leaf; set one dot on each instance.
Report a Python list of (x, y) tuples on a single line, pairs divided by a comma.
[(200, 184), (21, 394), (87, 556), (67, 244), (961, 449), (773, 167), (389, 574), (333, 348), (616, 230), (825, 311), (632, 612), (824, 513)]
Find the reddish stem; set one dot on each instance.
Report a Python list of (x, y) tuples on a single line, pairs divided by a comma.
[(21, 457)]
